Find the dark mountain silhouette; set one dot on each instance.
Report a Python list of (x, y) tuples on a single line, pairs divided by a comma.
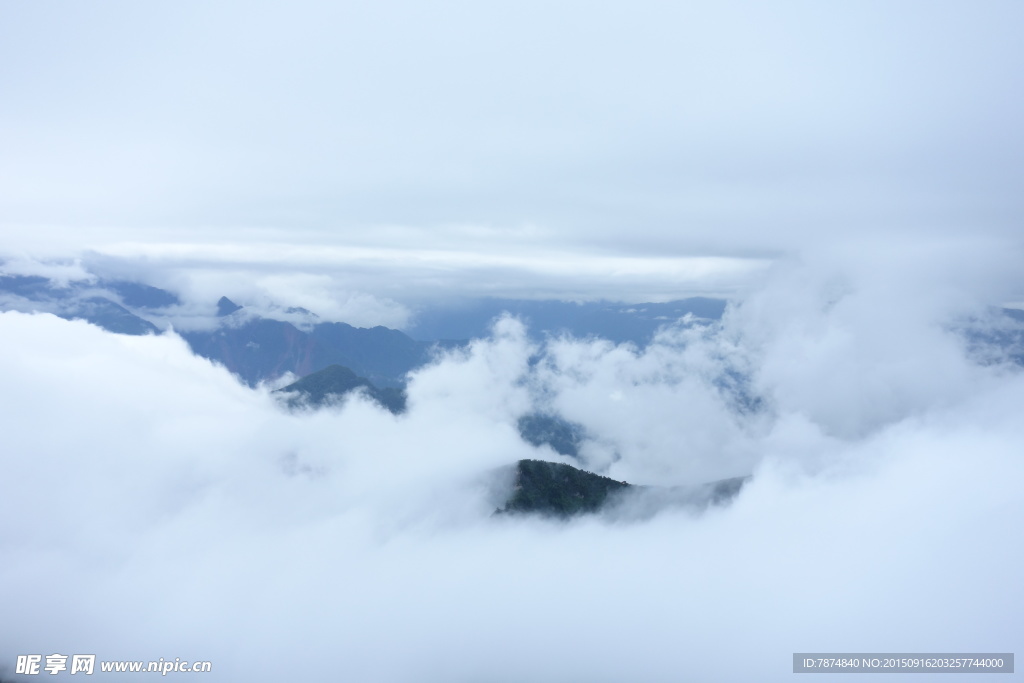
[(254, 348), (261, 349), (557, 490), (226, 306), (334, 382)]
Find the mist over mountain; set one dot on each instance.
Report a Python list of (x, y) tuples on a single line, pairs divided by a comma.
[(104, 303), (520, 342), (333, 383), (258, 348), (831, 401), (262, 349)]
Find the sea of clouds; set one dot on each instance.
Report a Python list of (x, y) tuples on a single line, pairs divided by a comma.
[(153, 506)]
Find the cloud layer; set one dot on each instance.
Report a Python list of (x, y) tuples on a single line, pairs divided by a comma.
[(154, 507)]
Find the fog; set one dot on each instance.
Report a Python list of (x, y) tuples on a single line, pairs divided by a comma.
[(155, 507)]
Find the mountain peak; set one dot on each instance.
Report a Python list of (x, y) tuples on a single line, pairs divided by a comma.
[(226, 306), (335, 381)]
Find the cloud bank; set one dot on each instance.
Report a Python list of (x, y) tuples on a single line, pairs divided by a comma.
[(154, 507)]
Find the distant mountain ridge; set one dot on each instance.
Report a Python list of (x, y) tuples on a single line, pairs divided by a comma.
[(253, 348), (103, 302), (617, 322), (257, 348), (260, 348), (335, 382)]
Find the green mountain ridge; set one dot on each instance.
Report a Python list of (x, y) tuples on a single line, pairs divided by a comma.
[(558, 490), (561, 491)]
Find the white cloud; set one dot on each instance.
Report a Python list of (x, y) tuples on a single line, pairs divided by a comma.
[(154, 507), (58, 272), (338, 278)]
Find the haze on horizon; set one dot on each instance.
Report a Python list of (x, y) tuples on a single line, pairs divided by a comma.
[(422, 150)]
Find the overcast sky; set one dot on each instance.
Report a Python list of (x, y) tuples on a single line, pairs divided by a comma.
[(571, 149)]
